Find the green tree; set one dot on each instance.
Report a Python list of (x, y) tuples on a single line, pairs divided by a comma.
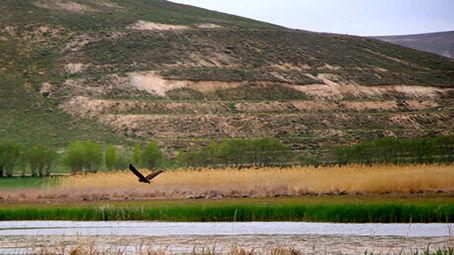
[(207, 156), (444, 148), (40, 159), (393, 150), (238, 152), (74, 156), (110, 157), (10, 152), (309, 161), (151, 156), (342, 154), (92, 156), (137, 155), (269, 152), (234, 152), (421, 149), (123, 159), (83, 156)]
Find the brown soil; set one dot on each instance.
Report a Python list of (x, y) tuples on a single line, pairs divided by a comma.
[(145, 25), (74, 68), (208, 26), (64, 5)]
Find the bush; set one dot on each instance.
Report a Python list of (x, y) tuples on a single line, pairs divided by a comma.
[(110, 157), (151, 156), (40, 159), (83, 156), (10, 152)]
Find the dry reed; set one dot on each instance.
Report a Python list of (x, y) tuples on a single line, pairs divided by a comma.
[(257, 182), (90, 249)]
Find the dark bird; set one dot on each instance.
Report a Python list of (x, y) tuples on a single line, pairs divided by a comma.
[(144, 179)]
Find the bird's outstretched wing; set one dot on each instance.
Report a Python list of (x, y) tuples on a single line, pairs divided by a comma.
[(136, 172), (154, 174)]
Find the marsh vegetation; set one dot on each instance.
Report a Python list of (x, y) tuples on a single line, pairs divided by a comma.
[(92, 249), (354, 193)]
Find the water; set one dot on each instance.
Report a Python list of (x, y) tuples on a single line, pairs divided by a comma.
[(16, 236), (122, 228)]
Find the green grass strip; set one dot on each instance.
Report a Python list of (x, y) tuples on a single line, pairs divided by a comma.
[(348, 213)]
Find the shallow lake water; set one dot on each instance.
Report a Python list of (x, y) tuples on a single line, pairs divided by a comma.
[(17, 237)]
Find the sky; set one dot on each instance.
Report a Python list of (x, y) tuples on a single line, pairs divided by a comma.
[(354, 17)]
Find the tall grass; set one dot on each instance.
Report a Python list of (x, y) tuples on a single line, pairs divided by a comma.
[(258, 182), (383, 212), (92, 249), (272, 181)]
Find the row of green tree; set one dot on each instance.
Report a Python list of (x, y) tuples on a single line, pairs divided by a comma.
[(271, 152), (88, 156), (438, 149), (79, 156), (238, 153)]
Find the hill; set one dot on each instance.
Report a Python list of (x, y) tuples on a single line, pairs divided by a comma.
[(117, 71), (439, 43)]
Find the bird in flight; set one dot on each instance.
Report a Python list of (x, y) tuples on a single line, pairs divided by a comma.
[(142, 178)]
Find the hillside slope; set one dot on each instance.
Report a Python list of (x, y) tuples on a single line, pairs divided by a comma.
[(440, 43), (152, 69)]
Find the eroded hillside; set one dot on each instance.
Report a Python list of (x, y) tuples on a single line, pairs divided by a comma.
[(151, 69)]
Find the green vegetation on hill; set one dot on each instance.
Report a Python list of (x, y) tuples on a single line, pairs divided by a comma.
[(106, 15), (253, 48), (39, 39), (256, 52), (30, 119)]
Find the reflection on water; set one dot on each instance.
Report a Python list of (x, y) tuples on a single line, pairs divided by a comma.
[(326, 238)]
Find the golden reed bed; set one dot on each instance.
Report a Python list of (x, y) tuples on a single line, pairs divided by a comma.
[(258, 182)]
